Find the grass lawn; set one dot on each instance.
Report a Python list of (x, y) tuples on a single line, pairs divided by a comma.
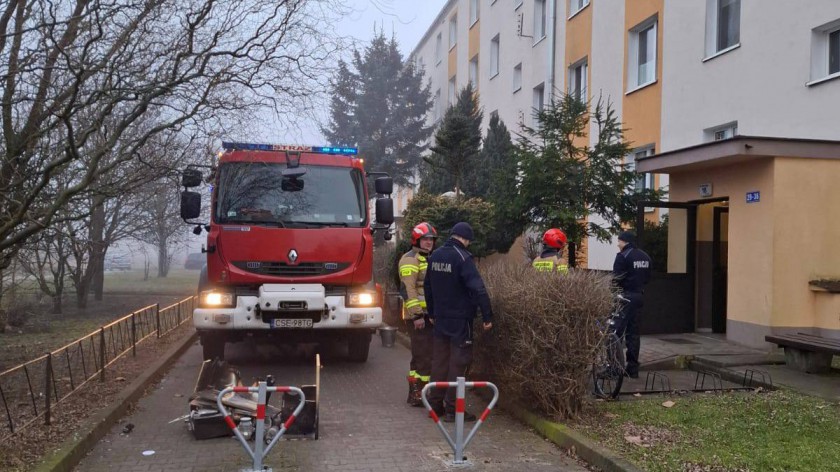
[(774, 431), (178, 282)]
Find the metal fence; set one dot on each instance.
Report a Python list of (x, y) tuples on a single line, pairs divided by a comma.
[(29, 392)]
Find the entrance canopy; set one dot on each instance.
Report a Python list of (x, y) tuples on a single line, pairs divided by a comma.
[(766, 227)]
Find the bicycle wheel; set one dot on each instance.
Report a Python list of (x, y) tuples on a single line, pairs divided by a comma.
[(609, 369)]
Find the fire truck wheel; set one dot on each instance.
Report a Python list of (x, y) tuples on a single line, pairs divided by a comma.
[(358, 347), (213, 347)]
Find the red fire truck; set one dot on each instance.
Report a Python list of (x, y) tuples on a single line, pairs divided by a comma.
[(289, 246)]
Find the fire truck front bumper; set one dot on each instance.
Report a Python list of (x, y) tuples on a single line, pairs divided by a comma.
[(285, 307)]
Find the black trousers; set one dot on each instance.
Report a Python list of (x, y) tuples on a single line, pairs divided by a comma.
[(421, 350), (629, 327), (450, 359)]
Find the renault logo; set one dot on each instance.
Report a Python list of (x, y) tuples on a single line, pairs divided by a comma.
[(293, 255)]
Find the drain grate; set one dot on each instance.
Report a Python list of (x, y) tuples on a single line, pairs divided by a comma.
[(678, 341)]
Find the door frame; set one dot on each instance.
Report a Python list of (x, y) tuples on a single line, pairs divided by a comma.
[(718, 292)]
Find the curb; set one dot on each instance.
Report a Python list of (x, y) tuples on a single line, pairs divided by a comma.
[(559, 434), (94, 428), (570, 440)]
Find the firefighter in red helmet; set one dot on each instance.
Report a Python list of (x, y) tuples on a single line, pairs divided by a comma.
[(412, 269), (551, 259)]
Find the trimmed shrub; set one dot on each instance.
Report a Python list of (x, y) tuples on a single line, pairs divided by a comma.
[(544, 338)]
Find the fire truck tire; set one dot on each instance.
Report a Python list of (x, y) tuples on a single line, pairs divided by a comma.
[(213, 347), (358, 347)]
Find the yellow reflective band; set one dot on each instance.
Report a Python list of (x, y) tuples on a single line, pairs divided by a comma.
[(408, 271), (423, 266), (409, 266), (563, 268), (411, 303), (424, 378), (544, 266), (422, 303), (412, 373)]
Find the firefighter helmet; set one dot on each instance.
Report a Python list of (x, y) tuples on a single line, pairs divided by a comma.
[(555, 238), (422, 230)]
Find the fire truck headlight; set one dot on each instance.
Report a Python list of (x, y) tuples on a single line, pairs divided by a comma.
[(212, 298), (361, 299)]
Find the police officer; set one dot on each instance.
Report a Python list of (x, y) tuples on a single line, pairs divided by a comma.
[(631, 270), (551, 258), (412, 268), (454, 289)]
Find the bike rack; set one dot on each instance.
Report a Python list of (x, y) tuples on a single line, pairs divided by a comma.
[(459, 444), (751, 374), (714, 377), (664, 383), (259, 452)]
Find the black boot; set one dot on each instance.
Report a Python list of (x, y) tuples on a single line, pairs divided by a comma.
[(418, 393), (412, 387)]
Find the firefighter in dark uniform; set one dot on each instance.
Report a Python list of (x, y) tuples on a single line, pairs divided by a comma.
[(412, 268), (454, 290), (551, 258), (632, 272)]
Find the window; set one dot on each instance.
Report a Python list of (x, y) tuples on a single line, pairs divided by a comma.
[(517, 77), (539, 20), (437, 105), (643, 181), (642, 70), (576, 6), (494, 56), (825, 52), (539, 97), (719, 133), (453, 31), (453, 91), (439, 48), (474, 71), (473, 11), (518, 4), (723, 25), (577, 80)]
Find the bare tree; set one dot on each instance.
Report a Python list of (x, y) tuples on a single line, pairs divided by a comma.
[(162, 221), (81, 79), (45, 258)]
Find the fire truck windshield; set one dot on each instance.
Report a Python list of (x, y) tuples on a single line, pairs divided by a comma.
[(257, 193)]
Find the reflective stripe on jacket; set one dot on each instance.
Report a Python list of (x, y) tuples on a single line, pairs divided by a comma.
[(412, 273), (549, 261)]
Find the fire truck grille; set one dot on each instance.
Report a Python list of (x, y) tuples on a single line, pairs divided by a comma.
[(282, 269)]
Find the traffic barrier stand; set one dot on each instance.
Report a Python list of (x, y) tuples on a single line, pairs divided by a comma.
[(459, 444), (260, 448)]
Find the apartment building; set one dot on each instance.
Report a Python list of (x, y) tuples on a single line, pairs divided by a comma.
[(730, 105)]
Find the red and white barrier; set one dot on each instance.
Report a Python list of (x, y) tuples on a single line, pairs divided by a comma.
[(260, 449), (459, 444)]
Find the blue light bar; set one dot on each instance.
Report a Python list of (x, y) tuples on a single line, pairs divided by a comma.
[(233, 146), (336, 150)]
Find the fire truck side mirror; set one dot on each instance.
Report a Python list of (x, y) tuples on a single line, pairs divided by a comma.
[(384, 211), (190, 205), (384, 186), (191, 178)]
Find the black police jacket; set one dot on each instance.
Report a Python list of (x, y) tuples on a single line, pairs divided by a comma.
[(632, 269), (454, 289)]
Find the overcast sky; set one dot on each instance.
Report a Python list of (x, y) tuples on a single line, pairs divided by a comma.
[(408, 20)]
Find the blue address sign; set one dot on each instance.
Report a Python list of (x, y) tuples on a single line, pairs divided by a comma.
[(753, 197)]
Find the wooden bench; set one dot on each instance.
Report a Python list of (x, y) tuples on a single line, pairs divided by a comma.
[(807, 352)]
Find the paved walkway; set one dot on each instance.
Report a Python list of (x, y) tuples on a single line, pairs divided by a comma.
[(365, 425), (661, 352)]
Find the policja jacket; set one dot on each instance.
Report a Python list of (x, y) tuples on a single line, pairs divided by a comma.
[(412, 276), (632, 269), (454, 289)]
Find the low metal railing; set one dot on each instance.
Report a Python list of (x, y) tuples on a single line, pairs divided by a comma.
[(30, 391)]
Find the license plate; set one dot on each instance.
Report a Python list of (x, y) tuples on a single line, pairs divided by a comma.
[(295, 323)]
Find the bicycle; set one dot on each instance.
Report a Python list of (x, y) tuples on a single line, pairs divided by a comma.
[(610, 366)]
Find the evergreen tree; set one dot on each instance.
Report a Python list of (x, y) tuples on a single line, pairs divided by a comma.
[(380, 104), (565, 181), (496, 181), (457, 145)]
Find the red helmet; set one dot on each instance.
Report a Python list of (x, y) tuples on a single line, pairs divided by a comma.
[(555, 238), (422, 230)]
